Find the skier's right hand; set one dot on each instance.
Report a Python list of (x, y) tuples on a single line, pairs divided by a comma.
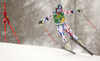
[(40, 22), (79, 10)]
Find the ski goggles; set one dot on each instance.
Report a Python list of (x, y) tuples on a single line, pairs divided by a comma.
[(59, 10)]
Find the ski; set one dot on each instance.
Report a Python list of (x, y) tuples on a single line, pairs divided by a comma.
[(81, 44), (68, 50)]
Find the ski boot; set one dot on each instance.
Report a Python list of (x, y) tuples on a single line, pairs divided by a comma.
[(67, 46), (80, 42)]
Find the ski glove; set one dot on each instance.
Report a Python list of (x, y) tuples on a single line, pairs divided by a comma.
[(79, 10), (41, 22)]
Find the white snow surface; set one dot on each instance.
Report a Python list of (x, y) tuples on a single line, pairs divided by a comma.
[(15, 52)]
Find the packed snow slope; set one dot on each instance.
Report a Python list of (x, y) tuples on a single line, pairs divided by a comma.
[(14, 52)]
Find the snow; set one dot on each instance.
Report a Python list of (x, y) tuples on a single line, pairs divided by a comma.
[(15, 52), (28, 2)]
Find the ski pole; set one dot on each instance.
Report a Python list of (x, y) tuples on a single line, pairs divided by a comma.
[(48, 33), (89, 21)]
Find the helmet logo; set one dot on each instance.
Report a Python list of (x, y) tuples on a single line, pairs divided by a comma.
[(59, 7)]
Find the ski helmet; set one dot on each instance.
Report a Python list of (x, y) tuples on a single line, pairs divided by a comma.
[(59, 8)]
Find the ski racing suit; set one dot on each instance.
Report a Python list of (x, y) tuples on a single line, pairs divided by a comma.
[(60, 22)]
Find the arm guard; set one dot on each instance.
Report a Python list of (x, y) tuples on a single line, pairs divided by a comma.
[(72, 11), (47, 18)]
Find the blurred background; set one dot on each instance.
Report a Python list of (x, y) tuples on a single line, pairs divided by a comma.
[(24, 16)]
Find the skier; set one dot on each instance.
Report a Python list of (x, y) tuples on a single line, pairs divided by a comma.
[(59, 19)]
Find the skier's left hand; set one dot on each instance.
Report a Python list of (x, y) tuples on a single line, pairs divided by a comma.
[(79, 10), (40, 22)]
